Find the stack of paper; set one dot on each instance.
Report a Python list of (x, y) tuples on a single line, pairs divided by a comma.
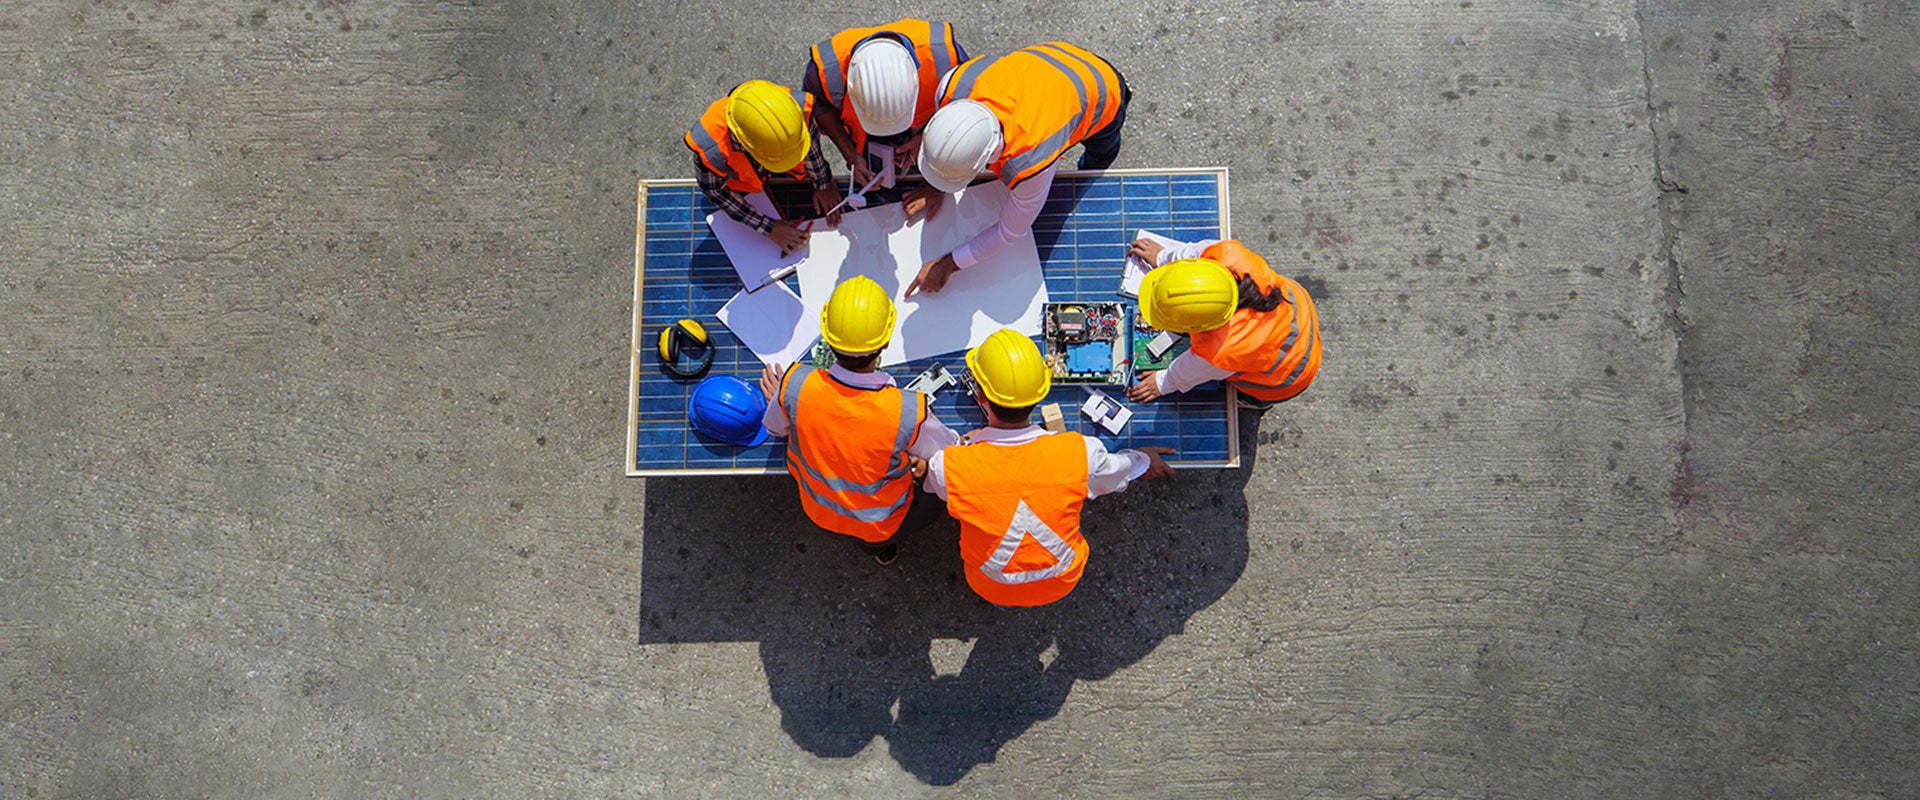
[(1136, 270)]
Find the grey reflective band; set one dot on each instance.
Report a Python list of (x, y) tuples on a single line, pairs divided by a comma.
[(943, 50), (1305, 356), (1050, 148), (833, 74), (1292, 335), (790, 393), (800, 99), (962, 84), (710, 148), (1026, 523)]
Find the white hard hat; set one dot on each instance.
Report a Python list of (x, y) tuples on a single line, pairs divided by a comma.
[(962, 138), (883, 84)]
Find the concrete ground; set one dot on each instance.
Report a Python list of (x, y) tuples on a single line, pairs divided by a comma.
[(313, 341)]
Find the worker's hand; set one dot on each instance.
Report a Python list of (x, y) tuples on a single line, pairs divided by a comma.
[(1146, 250), (861, 171), (933, 275), (923, 203), (770, 380), (1147, 389), (918, 466), (1156, 466), (788, 235), (906, 156), (825, 198)]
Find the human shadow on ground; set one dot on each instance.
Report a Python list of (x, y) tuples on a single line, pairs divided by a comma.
[(846, 643)]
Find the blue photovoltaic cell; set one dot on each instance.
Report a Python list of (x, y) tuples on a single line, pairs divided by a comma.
[(1081, 235)]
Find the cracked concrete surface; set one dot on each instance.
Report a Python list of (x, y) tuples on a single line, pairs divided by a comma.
[(313, 334)]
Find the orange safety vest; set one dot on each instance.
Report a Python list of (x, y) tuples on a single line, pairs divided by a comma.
[(1048, 97), (714, 146), (847, 449), (1273, 354), (1019, 512), (934, 51)]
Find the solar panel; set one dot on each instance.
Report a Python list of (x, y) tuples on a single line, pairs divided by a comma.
[(1081, 234)]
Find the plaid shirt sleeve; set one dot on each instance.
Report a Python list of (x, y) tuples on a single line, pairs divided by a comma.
[(817, 169), (730, 201)]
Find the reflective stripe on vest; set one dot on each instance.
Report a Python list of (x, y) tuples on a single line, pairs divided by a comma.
[(814, 481), (713, 145), (1240, 344), (1007, 495), (1026, 523), (930, 45), (1014, 92)]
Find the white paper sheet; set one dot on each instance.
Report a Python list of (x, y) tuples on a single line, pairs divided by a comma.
[(1003, 291), (773, 323), (754, 255), (1136, 270)]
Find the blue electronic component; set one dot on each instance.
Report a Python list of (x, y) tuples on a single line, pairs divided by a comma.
[(1091, 357)]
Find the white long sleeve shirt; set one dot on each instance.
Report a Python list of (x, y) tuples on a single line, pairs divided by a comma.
[(1016, 221), (1188, 369), (1106, 472), (934, 434)]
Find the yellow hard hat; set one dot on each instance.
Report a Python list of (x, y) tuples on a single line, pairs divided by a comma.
[(1192, 294), (858, 318), (764, 118), (1009, 370)]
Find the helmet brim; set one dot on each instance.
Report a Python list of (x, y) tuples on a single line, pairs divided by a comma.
[(1147, 284)]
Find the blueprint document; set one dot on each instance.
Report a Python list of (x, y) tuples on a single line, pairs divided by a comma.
[(1003, 291)]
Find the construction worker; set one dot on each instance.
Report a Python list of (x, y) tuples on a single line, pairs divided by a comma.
[(1017, 489), (757, 131), (855, 442), (1248, 325), (876, 86), (1015, 115)]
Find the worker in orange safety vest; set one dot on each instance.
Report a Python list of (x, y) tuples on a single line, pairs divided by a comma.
[(757, 131), (874, 88), (855, 442), (1017, 489), (1015, 115), (1249, 326)]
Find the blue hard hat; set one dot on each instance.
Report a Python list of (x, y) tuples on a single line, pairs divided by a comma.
[(729, 409)]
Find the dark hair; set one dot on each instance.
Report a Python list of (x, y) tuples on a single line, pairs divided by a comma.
[(1252, 298), (856, 363), (1006, 414)]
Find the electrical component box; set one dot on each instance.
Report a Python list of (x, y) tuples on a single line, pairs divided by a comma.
[(1086, 343)]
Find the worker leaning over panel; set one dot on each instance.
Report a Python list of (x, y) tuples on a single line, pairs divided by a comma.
[(1248, 325), (757, 131), (1015, 115), (855, 442), (1017, 489), (876, 86)]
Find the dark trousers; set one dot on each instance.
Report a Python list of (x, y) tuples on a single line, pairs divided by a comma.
[(926, 510), (1104, 145)]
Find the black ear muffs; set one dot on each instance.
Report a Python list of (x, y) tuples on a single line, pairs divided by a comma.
[(685, 348)]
